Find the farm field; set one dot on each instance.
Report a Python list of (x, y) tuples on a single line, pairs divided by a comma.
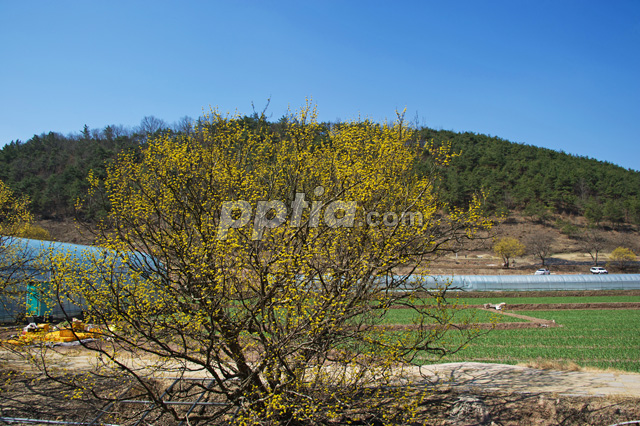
[(406, 316), (589, 338)]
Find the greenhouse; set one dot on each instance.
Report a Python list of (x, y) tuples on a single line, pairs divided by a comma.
[(26, 267), (574, 282)]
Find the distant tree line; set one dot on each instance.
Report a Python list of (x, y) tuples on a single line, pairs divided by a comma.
[(51, 169)]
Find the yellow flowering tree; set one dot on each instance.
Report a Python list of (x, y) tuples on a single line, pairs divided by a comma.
[(622, 257), (14, 212), (508, 248), (15, 218), (271, 260)]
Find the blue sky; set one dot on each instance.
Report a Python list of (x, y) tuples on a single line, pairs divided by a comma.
[(558, 74)]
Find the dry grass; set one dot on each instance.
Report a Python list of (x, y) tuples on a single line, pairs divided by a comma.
[(546, 364)]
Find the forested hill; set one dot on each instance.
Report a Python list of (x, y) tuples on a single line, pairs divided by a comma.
[(51, 169), (538, 181)]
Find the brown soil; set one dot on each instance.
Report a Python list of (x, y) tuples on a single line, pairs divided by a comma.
[(552, 306), (67, 231), (549, 323), (35, 397), (560, 306), (567, 256), (477, 326), (492, 408)]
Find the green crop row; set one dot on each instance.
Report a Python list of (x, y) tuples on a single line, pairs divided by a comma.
[(408, 316), (596, 338)]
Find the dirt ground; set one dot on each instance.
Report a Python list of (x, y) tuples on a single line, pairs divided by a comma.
[(451, 394), (454, 407), (567, 256), (31, 396)]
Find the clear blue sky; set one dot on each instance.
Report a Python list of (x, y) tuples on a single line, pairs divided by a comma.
[(558, 74)]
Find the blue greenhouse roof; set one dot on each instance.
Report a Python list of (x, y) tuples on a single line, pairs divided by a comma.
[(539, 282), (35, 253)]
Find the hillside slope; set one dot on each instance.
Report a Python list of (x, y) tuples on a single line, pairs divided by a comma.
[(51, 169)]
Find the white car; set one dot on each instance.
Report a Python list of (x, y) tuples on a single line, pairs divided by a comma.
[(598, 270), (542, 271)]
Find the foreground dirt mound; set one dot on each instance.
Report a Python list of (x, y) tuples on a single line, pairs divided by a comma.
[(451, 394), (455, 408), (515, 378), (470, 393)]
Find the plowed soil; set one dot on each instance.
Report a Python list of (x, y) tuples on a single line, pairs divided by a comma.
[(560, 306)]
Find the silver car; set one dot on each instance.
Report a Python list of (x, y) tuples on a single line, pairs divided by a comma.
[(598, 270)]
